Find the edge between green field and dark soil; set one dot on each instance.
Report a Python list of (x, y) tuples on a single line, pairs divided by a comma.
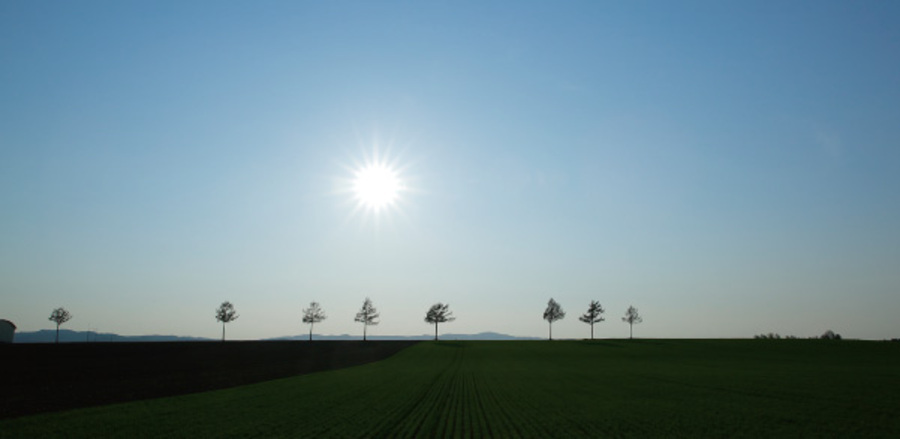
[(38, 378), (603, 388)]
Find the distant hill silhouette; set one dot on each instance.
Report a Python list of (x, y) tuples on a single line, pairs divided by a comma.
[(479, 336), (69, 336)]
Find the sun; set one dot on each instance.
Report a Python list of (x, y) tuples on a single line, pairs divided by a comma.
[(376, 186)]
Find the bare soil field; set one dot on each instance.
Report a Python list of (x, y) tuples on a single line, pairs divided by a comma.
[(37, 378)]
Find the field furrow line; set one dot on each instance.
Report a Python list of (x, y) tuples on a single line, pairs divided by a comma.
[(427, 414), (453, 400), (504, 420), (481, 409), (475, 419), (519, 399), (408, 419), (464, 423), (421, 417), (349, 410), (398, 418)]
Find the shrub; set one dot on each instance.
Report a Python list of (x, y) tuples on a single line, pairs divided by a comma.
[(830, 335)]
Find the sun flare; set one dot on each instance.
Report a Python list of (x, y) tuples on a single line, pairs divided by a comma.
[(376, 186)]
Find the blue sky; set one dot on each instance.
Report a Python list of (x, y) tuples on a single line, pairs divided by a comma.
[(729, 168)]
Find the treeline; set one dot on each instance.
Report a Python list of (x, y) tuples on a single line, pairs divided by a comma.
[(440, 313), (828, 335), (368, 315)]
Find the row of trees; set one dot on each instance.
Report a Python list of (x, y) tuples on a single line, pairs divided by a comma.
[(437, 314), (594, 314), (368, 315)]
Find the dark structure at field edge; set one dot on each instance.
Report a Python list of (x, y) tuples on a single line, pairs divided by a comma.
[(37, 378)]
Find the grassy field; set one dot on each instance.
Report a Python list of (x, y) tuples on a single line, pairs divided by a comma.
[(640, 388)]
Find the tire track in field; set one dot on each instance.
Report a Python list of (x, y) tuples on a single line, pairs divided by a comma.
[(387, 412), (479, 420), (447, 418), (349, 412), (474, 420), (576, 420), (465, 420), (458, 402), (405, 420), (427, 415), (525, 398), (483, 414), (459, 393), (499, 421), (332, 415), (494, 396), (508, 413), (339, 419)]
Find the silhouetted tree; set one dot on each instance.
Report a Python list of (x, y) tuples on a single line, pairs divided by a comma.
[(553, 313), (830, 335), (367, 315), (439, 313), (60, 316), (313, 315), (632, 318), (593, 315), (225, 313)]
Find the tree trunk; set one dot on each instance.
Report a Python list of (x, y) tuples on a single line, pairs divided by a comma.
[(57, 333), (365, 326), (592, 330), (630, 330), (223, 331), (435, 331), (310, 331), (551, 331)]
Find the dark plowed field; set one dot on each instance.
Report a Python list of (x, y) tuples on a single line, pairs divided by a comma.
[(37, 378)]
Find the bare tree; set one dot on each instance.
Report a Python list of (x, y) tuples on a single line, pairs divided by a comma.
[(367, 315), (553, 313), (313, 315), (60, 316), (225, 313), (593, 315), (632, 318), (439, 313)]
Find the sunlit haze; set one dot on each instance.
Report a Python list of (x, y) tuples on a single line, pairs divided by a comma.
[(727, 168)]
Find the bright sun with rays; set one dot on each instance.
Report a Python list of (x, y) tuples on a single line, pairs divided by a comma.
[(376, 186)]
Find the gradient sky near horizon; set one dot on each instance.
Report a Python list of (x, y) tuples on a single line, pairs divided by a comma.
[(729, 168)]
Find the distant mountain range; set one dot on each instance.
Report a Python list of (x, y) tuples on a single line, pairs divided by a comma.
[(479, 336), (69, 336)]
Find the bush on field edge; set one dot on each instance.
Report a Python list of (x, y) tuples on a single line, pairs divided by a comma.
[(828, 335)]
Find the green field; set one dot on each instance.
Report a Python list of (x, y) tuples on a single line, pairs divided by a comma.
[(621, 388)]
